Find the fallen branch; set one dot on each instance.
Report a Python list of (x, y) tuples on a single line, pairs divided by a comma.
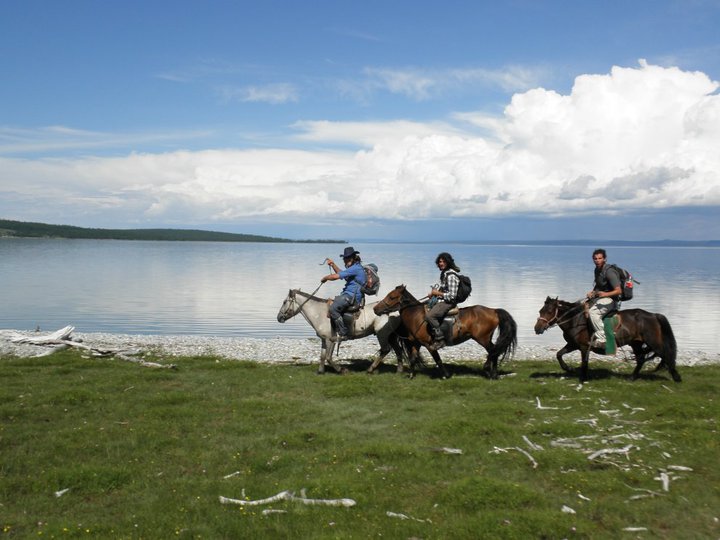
[(605, 451), (403, 516), (63, 338), (497, 450), (289, 496), (531, 444)]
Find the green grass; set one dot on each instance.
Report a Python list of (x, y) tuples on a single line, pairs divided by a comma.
[(144, 453)]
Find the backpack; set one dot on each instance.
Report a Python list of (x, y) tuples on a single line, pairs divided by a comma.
[(626, 282), (372, 280), (464, 288)]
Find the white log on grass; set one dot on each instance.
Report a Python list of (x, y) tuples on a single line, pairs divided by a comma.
[(605, 451), (497, 450), (289, 496), (404, 516)]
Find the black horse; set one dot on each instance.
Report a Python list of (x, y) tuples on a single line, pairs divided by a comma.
[(648, 334)]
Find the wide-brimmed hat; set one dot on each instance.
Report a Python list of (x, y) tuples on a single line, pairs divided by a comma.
[(349, 252)]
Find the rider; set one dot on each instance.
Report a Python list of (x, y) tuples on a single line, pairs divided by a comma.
[(351, 295), (605, 294), (442, 296)]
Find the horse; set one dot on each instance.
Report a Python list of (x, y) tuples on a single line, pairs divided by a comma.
[(366, 323), (476, 322), (648, 334)]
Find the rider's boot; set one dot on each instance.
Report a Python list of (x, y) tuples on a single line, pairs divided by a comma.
[(438, 339)]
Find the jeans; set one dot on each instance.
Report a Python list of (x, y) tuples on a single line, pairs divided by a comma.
[(600, 308), (339, 306), (435, 316)]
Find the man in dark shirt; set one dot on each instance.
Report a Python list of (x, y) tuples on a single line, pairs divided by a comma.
[(604, 296)]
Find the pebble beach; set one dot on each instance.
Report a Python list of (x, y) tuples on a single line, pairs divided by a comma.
[(288, 350)]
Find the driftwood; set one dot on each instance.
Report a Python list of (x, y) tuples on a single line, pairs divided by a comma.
[(289, 496), (63, 338)]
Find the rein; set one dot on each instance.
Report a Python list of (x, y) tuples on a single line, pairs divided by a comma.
[(299, 308)]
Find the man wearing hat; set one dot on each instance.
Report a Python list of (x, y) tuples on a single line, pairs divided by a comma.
[(351, 295)]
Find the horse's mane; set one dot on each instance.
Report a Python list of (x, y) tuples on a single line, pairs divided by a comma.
[(407, 294), (567, 304), (309, 296)]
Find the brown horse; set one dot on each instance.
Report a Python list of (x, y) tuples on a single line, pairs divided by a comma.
[(648, 334), (476, 322)]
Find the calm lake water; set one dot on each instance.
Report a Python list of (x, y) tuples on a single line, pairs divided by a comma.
[(236, 289)]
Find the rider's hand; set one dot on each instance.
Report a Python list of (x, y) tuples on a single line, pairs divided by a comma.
[(592, 294), (329, 262)]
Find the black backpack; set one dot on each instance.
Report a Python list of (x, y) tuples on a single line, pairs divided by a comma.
[(372, 280), (626, 282), (464, 288)]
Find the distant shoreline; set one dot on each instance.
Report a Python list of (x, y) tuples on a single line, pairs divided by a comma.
[(22, 229)]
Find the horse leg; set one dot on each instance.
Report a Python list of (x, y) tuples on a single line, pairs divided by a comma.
[(377, 360), (566, 349), (585, 354), (440, 365), (400, 352), (640, 358), (490, 365), (323, 354)]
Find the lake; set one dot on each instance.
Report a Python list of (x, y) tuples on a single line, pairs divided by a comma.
[(236, 289)]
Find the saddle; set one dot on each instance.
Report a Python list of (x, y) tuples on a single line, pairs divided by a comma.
[(448, 323), (454, 312), (352, 314)]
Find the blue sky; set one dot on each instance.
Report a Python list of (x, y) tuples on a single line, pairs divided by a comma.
[(365, 120)]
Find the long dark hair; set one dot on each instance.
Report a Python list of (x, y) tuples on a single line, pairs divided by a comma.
[(448, 259)]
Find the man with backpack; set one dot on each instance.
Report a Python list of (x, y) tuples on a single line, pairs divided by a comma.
[(443, 296), (604, 296), (351, 295)]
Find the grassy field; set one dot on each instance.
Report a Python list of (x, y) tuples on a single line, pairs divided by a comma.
[(107, 449)]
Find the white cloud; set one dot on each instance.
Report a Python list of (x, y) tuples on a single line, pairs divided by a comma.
[(644, 137), (270, 93), (423, 84)]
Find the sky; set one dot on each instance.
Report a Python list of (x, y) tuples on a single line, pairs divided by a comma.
[(365, 120)]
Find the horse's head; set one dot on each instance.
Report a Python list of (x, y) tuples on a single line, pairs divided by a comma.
[(391, 302), (548, 315), (288, 309)]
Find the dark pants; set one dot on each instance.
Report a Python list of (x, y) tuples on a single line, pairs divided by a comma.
[(339, 306), (435, 316)]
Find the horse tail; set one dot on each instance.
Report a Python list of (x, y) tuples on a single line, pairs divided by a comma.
[(669, 345), (507, 338)]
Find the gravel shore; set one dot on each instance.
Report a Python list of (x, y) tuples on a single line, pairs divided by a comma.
[(288, 350)]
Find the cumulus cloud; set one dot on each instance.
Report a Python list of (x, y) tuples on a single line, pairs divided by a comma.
[(642, 137)]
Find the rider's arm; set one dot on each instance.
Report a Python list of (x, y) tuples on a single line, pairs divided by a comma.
[(335, 275)]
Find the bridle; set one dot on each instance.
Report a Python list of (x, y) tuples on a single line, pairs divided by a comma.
[(556, 319), (552, 320)]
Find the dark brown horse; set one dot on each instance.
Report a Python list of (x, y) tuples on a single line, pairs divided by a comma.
[(648, 334), (476, 322)]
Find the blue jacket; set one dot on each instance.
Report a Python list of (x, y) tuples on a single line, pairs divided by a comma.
[(354, 277)]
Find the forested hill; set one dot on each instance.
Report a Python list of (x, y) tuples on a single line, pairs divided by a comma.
[(22, 229)]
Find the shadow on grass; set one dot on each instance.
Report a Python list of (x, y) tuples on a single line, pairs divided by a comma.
[(599, 374)]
